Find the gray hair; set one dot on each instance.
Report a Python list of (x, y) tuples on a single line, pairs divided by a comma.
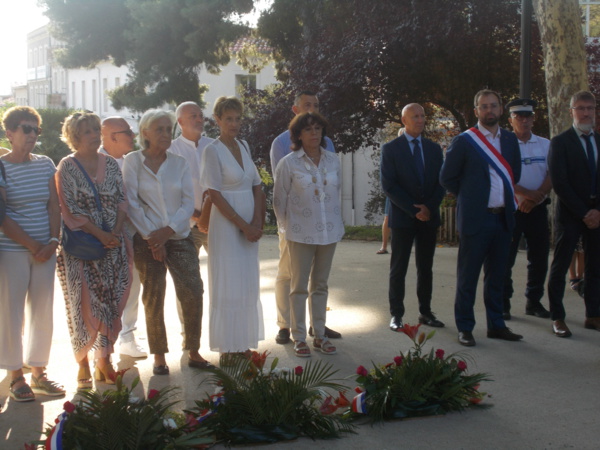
[(585, 96), (146, 121)]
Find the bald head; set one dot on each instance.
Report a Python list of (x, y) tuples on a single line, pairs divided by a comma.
[(413, 118), (191, 120), (117, 136)]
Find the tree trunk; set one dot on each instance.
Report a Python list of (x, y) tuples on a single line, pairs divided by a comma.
[(564, 57)]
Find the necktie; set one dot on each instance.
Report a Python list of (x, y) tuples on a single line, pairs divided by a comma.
[(591, 160), (418, 156)]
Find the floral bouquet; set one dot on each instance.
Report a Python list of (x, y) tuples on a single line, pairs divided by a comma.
[(416, 384), (253, 404), (114, 419)]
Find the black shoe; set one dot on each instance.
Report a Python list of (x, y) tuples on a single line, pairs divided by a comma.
[(283, 336), (537, 310), (466, 338), (506, 315), (396, 324), (329, 333), (160, 370), (430, 320), (202, 365), (503, 333)]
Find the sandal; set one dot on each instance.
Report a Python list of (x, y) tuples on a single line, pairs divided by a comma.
[(324, 346), (382, 252), (22, 394), (574, 282), (84, 378), (42, 385), (301, 349)]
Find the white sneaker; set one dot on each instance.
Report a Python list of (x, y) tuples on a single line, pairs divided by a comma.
[(132, 349)]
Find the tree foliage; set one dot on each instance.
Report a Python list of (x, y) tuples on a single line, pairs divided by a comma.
[(163, 42), (369, 59)]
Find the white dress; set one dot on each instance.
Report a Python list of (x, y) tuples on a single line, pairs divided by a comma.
[(236, 317)]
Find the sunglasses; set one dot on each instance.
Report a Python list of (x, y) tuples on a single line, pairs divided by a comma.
[(128, 132), (28, 129)]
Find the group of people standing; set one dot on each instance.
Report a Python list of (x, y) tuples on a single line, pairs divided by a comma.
[(501, 181), (149, 211)]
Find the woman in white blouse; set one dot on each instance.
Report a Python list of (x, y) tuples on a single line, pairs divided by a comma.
[(307, 205), (161, 201)]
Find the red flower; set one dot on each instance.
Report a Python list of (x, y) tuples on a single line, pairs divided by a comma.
[(191, 420), (298, 370), (439, 353), (461, 365), (358, 390), (152, 393), (117, 374), (342, 401), (362, 371), (69, 407), (258, 359), (398, 360), (328, 407), (410, 330)]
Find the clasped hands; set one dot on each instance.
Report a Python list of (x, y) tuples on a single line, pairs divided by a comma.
[(423, 215), (156, 242), (592, 219)]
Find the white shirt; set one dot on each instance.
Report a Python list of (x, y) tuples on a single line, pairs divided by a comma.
[(282, 146), (162, 199), (534, 163), (118, 160), (496, 199), (306, 198), (193, 156)]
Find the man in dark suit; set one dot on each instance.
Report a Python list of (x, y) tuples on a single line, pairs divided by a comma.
[(410, 167), (482, 165), (574, 169)]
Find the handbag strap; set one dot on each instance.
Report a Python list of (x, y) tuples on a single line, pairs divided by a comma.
[(3, 170), (92, 185)]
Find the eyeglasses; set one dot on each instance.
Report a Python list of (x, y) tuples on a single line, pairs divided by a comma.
[(128, 132), (28, 129), (584, 108)]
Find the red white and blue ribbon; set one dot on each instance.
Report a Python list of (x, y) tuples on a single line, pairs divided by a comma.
[(54, 440), (359, 404), (494, 158)]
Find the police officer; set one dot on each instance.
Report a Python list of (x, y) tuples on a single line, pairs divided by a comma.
[(531, 219)]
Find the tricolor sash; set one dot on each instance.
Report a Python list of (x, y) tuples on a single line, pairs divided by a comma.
[(494, 158)]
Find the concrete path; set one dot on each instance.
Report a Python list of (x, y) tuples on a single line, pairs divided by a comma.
[(545, 393)]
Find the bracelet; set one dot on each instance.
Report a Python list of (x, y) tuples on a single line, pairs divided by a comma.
[(53, 239)]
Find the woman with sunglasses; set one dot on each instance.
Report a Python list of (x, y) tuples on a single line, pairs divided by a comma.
[(92, 200), (28, 241)]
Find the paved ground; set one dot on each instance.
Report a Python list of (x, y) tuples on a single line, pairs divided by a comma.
[(545, 392)]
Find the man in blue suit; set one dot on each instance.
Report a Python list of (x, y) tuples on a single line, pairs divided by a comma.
[(410, 167), (574, 171), (482, 165)]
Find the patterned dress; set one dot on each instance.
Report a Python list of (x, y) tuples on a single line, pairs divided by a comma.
[(95, 291)]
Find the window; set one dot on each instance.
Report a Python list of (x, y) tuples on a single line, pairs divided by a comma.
[(245, 82), (94, 97), (83, 94), (73, 98), (117, 82), (104, 94)]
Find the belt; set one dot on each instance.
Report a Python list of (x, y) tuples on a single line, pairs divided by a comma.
[(498, 210)]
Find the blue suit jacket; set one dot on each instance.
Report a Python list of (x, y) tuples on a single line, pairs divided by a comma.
[(400, 183), (467, 175), (571, 176)]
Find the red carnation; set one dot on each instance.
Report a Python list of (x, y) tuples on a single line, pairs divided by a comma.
[(298, 370), (439, 353), (152, 393), (69, 407), (398, 360), (461, 365), (362, 371)]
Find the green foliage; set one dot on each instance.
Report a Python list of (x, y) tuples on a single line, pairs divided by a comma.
[(163, 42), (49, 142), (417, 384), (261, 405), (112, 420)]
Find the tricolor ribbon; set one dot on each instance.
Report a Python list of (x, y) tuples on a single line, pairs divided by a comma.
[(359, 404), (493, 157), (54, 440)]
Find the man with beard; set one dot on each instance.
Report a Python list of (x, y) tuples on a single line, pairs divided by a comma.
[(482, 165), (573, 164)]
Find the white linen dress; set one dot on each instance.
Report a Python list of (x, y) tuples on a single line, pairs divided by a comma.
[(236, 316)]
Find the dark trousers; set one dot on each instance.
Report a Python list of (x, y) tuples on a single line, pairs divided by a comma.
[(182, 263), (489, 249), (534, 226), (567, 235), (424, 235)]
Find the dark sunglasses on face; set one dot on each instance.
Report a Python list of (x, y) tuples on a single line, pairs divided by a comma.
[(28, 129), (128, 132)]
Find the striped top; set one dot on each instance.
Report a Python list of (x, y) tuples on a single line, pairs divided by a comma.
[(27, 198)]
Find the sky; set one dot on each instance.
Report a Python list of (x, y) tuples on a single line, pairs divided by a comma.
[(20, 17)]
